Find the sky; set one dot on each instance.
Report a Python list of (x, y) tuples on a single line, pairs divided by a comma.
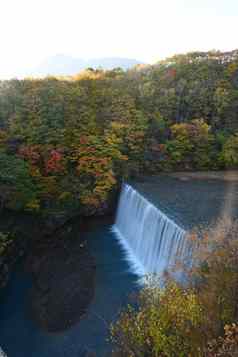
[(147, 30)]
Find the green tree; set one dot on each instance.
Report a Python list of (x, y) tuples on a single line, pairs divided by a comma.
[(18, 190), (166, 323), (229, 154)]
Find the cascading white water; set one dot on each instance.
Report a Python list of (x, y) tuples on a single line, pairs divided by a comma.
[(2, 354), (151, 240)]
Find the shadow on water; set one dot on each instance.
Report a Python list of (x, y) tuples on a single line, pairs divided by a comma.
[(19, 335)]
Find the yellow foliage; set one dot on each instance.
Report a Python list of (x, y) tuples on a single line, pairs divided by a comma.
[(33, 205)]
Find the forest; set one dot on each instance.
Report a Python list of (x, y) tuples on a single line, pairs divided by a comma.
[(67, 143)]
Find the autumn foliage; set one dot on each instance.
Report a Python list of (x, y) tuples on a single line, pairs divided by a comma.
[(199, 318), (78, 138)]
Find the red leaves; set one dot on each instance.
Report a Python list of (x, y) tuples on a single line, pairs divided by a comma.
[(172, 73), (46, 162), (55, 162)]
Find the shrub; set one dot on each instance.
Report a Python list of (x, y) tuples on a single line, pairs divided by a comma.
[(166, 323), (179, 321), (226, 346), (6, 240)]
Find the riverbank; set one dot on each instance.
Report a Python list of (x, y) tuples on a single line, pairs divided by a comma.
[(227, 176)]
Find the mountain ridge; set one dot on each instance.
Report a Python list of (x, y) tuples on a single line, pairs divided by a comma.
[(65, 65)]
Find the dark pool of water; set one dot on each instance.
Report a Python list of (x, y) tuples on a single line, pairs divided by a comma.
[(19, 335)]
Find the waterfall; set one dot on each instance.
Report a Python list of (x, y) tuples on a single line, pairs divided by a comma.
[(2, 354), (151, 240)]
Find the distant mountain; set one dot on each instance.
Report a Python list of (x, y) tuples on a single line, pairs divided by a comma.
[(66, 65), (113, 62)]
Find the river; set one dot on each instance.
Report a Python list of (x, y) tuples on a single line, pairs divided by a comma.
[(21, 337)]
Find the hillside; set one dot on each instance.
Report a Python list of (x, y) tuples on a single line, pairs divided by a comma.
[(65, 144)]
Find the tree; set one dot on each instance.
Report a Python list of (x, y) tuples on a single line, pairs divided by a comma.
[(165, 323), (215, 274), (229, 154), (18, 190), (190, 146)]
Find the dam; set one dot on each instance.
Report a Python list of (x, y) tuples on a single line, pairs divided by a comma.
[(151, 239), (154, 215), (149, 232)]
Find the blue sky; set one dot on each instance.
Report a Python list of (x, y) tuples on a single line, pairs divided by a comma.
[(148, 30)]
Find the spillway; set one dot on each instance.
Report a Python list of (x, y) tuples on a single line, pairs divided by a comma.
[(151, 240)]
